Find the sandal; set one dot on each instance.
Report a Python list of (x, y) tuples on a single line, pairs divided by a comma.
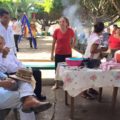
[(87, 96)]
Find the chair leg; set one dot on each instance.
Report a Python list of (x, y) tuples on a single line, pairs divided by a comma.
[(100, 94), (16, 114), (115, 91), (66, 98)]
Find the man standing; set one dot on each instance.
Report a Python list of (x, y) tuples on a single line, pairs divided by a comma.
[(6, 30), (17, 31)]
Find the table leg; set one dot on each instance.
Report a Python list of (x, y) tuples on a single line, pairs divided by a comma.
[(115, 91), (100, 94), (66, 98), (72, 108)]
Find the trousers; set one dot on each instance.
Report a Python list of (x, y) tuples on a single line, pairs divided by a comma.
[(38, 86), (16, 38), (12, 99)]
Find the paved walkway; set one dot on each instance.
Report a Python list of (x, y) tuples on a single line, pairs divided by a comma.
[(84, 109), (43, 53)]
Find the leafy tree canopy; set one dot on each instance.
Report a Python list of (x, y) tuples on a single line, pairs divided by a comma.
[(48, 11)]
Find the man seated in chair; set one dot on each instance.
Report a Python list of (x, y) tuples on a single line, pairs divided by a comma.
[(9, 64), (21, 97)]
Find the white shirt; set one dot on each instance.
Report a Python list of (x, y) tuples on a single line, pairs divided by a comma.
[(16, 26), (10, 64), (7, 34), (94, 38)]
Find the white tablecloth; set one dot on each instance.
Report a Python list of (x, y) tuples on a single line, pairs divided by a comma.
[(78, 79)]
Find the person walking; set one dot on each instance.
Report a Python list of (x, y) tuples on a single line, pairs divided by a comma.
[(17, 31)]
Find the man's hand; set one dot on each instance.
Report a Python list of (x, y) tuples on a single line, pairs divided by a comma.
[(5, 52), (8, 83)]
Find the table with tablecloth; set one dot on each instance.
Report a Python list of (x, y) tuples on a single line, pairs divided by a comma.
[(77, 79)]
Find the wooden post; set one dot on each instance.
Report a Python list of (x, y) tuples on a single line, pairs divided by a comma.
[(72, 108), (100, 94), (66, 98), (114, 97)]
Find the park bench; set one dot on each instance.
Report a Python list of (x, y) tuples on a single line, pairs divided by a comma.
[(40, 65)]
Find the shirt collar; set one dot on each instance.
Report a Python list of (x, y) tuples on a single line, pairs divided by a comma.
[(3, 26)]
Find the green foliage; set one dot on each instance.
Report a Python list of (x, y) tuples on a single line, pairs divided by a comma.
[(17, 7), (46, 5), (48, 11), (57, 6), (118, 23), (102, 10)]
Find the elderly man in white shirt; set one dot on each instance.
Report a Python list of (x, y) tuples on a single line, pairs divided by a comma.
[(6, 31), (24, 96)]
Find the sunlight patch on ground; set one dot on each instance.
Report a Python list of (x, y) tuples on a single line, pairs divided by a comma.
[(42, 53)]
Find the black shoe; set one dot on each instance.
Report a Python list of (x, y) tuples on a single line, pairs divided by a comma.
[(93, 91), (43, 107), (42, 98), (39, 108)]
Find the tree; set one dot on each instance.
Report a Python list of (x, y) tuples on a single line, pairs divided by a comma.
[(48, 12), (97, 10), (17, 7), (116, 4), (101, 10)]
